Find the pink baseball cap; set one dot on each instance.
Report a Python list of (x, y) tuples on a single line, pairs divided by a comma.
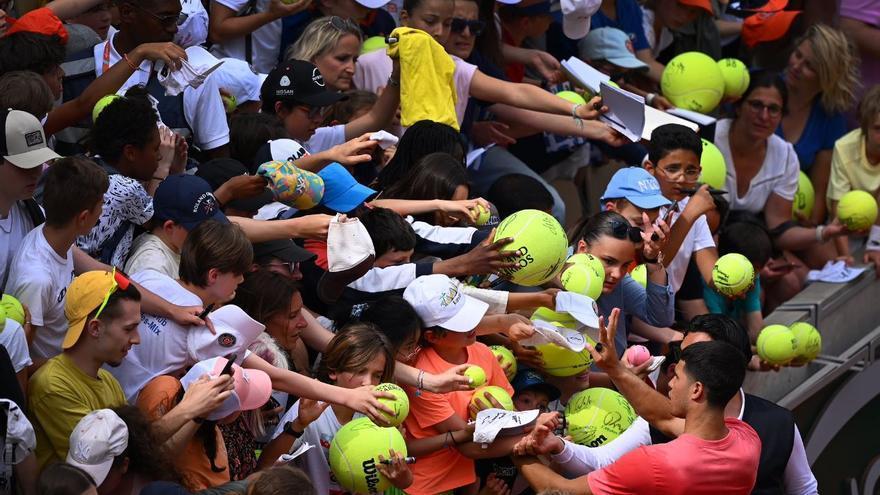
[(252, 387)]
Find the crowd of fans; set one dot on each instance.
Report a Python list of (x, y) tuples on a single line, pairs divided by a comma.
[(226, 221)]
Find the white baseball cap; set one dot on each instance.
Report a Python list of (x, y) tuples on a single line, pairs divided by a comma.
[(373, 4), (234, 332), (23, 141), (239, 78), (576, 16), (20, 437), (252, 387), (440, 302), (97, 439)]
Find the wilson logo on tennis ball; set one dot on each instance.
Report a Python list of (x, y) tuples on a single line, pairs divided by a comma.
[(372, 478), (539, 243)]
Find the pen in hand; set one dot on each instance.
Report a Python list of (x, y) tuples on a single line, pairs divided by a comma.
[(407, 460)]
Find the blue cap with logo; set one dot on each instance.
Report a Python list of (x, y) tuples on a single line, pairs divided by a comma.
[(342, 192), (186, 200), (637, 186), (611, 44)]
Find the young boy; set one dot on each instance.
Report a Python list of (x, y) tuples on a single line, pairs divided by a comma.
[(449, 335), (43, 267), (633, 192)]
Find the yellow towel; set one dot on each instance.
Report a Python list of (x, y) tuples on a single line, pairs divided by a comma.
[(427, 88)]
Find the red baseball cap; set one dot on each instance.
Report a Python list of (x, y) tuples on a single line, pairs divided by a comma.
[(41, 21), (767, 26), (703, 4)]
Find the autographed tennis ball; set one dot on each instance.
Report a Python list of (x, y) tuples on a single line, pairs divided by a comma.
[(714, 168), (399, 404), (480, 397), (692, 80), (809, 342), (562, 361), (733, 274), (804, 197), (857, 210), (584, 278), (540, 242), (735, 75), (354, 455), (477, 376), (506, 358), (777, 344), (596, 416)]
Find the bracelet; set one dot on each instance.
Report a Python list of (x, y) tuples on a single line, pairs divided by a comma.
[(649, 98), (420, 383), (819, 230), (130, 64), (574, 111), (873, 239)]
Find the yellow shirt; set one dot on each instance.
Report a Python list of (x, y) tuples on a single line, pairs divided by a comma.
[(59, 395), (850, 168)]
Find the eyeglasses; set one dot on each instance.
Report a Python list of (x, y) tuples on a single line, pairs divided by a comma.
[(312, 112), (120, 281), (676, 171), (165, 20), (623, 230), (758, 107), (475, 26)]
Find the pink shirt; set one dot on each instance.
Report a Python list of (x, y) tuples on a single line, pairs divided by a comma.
[(867, 11), (374, 69), (686, 465)]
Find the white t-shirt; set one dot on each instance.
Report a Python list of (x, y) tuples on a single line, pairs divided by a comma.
[(194, 30), (126, 201), (699, 237), (325, 138), (13, 228), (39, 278), (778, 174), (14, 340), (148, 252), (265, 41), (202, 107)]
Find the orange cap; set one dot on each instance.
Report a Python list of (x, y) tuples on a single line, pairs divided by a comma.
[(703, 4), (767, 26)]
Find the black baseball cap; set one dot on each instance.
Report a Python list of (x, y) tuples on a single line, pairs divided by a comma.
[(283, 249), (300, 82), (216, 172), (527, 379)]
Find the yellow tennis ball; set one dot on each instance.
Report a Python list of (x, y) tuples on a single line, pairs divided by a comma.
[(354, 455), (506, 358), (714, 168), (12, 308), (230, 102), (499, 393), (564, 320), (572, 97), (735, 75), (640, 275), (561, 361), (733, 274), (596, 416), (777, 344), (693, 81), (540, 242), (372, 44), (857, 210), (477, 376), (102, 103), (482, 216), (804, 198), (399, 404), (809, 342), (584, 278)]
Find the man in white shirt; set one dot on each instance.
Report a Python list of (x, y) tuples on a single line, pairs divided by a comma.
[(43, 267)]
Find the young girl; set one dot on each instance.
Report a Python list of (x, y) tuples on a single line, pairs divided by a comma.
[(436, 176), (359, 355)]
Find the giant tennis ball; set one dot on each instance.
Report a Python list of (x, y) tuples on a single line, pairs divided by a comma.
[(640, 275), (12, 308), (354, 455), (399, 404), (540, 242), (777, 344), (499, 393), (809, 342), (564, 320), (857, 210), (572, 97), (714, 168), (477, 376), (561, 361), (373, 44), (584, 278), (735, 75), (102, 103), (596, 416), (506, 358), (804, 198), (733, 274), (693, 81)]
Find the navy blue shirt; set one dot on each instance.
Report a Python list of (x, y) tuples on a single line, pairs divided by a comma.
[(629, 20), (377, 23), (820, 132)]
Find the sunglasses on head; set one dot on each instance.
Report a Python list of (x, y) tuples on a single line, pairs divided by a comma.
[(623, 230), (120, 281), (475, 26)]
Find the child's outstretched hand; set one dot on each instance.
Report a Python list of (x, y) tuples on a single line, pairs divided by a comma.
[(396, 470)]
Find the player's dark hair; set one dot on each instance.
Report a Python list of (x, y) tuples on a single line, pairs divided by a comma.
[(718, 366), (723, 329)]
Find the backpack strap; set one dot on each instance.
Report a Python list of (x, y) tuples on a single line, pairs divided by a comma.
[(35, 213)]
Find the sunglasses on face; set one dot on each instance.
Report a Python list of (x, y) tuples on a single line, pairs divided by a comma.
[(623, 230), (475, 26)]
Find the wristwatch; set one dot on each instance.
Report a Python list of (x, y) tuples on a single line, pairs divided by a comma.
[(288, 429)]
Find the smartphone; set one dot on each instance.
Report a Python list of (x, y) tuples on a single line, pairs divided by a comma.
[(227, 370), (656, 361)]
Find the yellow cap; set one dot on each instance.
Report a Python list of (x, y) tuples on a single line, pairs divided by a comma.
[(84, 295)]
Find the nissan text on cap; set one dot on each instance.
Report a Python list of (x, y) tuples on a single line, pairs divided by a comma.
[(24, 142), (300, 82)]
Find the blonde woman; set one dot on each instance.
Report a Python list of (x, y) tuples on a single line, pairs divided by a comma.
[(821, 78), (333, 45)]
